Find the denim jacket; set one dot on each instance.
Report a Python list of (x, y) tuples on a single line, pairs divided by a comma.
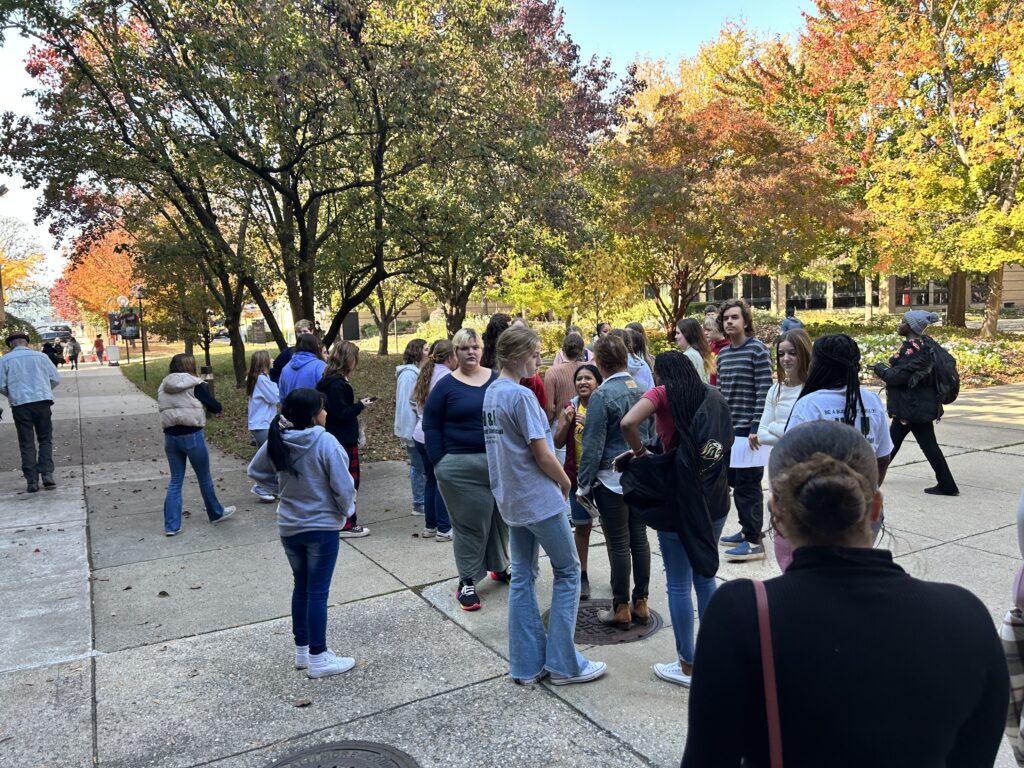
[(27, 376), (602, 438)]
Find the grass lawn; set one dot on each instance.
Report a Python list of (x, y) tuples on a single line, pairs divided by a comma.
[(375, 376)]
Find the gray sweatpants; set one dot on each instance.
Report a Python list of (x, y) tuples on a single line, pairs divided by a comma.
[(480, 543)]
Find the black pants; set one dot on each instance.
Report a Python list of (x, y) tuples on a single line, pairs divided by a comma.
[(32, 420), (924, 433), (749, 499), (626, 538)]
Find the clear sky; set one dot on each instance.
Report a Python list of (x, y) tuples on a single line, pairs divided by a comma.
[(622, 30)]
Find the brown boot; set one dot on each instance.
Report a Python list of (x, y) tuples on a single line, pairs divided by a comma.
[(641, 613), (619, 617)]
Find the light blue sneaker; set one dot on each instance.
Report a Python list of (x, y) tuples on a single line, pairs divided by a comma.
[(732, 541), (745, 551)]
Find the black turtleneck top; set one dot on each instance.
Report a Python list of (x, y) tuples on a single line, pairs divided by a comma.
[(873, 667)]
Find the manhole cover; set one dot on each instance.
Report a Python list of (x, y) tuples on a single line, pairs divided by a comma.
[(348, 754), (590, 631)]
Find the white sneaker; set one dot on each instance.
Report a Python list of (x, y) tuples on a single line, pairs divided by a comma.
[(228, 512), (673, 673), (592, 671), (326, 664), (428, 533), (418, 512), (443, 536), (301, 656), (356, 532), (264, 496)]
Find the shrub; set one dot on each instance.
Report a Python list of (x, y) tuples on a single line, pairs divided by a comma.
[(14, 323)]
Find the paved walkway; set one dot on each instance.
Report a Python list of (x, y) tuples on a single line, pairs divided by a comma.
[(120, 647)]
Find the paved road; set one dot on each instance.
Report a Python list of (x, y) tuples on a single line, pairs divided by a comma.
[(119, 647)]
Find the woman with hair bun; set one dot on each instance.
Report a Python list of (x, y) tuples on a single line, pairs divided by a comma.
[(872, 667)]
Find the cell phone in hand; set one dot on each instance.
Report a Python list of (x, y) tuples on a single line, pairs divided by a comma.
[(373, 398)]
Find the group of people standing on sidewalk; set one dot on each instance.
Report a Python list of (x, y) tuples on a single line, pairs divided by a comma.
[(504, 462)]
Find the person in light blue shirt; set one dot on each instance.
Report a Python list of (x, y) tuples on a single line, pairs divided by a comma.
[(27, 379), (532, 491)]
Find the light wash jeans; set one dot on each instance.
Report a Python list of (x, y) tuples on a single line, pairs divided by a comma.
[(530, 648), (417, 476), (679, 578), (193, 448)]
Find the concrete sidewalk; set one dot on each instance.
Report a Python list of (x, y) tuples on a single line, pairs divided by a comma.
[(120, 647)]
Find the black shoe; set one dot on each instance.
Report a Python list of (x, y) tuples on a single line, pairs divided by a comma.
[(584, 586), (48, 483), (936, 490), (466, 595), (504, 577), (33, 486)]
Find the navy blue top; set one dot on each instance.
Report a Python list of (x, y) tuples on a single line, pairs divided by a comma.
[(453, 418)]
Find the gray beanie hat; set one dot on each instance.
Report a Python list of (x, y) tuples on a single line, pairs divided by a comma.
[(919, 319)]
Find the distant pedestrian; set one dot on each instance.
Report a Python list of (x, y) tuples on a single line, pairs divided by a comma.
[(912, 398), (641, 344), (184, 400), (302, 328), (454, 430), (343, 417), (310, 469), (99, 348), (693, 343), (416, 352), (305, 367), (744, 378), (711, 310), (263, 407), (74, 350), (790, 322), (27, 379), (568, 437), (560, 354), (532, 494), (559, 379), (602, 329), (58, 353), (716, 341), (442, 361), (51, 353), (849, 609), (636, 366)]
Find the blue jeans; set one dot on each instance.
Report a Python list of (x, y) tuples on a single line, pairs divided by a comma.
[(312, 555), (192, 447), (260, 437), (417, 478), (530, 648), (679, 578), (435, 513)]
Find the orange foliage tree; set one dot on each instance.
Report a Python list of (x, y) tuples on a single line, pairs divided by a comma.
[(100, 270)]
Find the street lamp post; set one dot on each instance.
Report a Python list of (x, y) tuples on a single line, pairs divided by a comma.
[(137, 292)]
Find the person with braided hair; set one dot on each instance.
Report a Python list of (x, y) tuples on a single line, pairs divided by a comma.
[(682, 404), (833, 392), (858, 645)]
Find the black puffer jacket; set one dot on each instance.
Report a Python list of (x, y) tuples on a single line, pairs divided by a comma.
[(910, 382)]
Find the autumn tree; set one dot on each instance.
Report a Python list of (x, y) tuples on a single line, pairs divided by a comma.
[(598, 283), (939, 94), (20, 256), (720, 186), (390, 298), (100, 270), (64, 304)]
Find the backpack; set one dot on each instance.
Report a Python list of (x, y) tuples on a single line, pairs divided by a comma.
[(947, 379)]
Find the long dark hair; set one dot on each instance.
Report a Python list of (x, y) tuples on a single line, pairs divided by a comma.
[(693, 332), (835, 364), (497, 325), (299, 411), (683, 387)]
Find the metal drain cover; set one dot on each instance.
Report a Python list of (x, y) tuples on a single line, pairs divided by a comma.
[(348, 754), (590, 631)]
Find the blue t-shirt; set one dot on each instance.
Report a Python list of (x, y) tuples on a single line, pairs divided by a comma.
[(512, 420), (451, 418)]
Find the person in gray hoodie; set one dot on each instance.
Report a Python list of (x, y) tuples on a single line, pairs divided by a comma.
[(316, 495), (416, 353)]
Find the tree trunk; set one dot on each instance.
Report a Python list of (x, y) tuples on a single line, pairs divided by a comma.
[(956, 310), (382, 346), (190, 346), (455, 314), (993, 303), (237, 352), (869, 306)]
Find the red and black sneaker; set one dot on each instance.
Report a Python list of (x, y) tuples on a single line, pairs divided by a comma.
[(504, 577), (466, 595)]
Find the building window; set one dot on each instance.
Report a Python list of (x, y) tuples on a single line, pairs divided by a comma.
[(757, 290), (911, 291), (806, 294)]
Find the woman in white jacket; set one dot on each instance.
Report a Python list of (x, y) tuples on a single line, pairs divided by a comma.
[(792, 361), (263, 399), (416, 352)]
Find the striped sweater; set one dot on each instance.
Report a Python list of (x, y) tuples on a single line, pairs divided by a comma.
[(744, 377)]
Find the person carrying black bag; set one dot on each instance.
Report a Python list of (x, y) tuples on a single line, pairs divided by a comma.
[(682, 493), (913, 399)]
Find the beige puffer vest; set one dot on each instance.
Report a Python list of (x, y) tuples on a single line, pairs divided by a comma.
[(177, 402)]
